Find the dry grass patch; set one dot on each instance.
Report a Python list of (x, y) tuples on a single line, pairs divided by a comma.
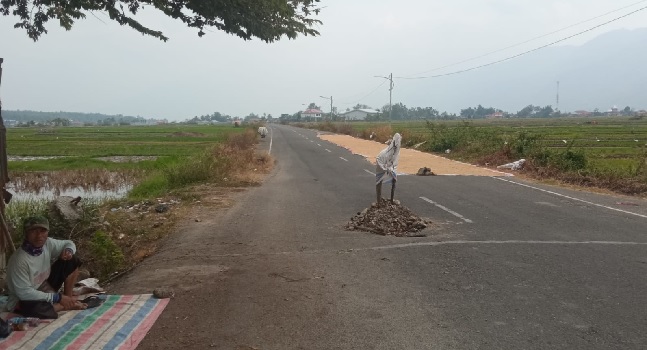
[(86, 179)]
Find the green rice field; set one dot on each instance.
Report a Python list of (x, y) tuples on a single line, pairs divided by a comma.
[(607, 142), (605, 152), (80, 146)]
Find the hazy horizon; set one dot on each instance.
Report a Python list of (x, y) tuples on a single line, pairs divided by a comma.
[(101, 67)]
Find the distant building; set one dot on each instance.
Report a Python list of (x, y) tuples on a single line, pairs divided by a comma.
[(495, 115), (359, 114), (613, 111), (311, 113), (582, 113)]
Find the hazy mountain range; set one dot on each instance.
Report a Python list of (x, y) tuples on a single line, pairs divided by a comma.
[(607, 71)]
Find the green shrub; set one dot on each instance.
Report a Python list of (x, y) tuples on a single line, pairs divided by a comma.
[(18, 210), (525, 144), (105, 254), (567, 160), (152, 186), (194, 170)]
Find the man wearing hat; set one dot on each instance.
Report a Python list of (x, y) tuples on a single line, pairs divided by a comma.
[(36, 272)]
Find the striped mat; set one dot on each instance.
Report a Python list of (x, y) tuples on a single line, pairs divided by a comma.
[(121, 322)]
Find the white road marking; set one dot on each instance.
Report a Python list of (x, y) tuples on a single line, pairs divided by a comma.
[(344, 159), (416, 244), (437, 243), (312, 141), (548, 204), (327, 150), (370, 172), (446, 209), (572, 198), (319, 144)]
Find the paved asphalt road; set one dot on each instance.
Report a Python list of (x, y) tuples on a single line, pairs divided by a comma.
[(507, 264)]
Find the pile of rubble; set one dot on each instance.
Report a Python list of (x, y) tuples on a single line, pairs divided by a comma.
[(388, 219)]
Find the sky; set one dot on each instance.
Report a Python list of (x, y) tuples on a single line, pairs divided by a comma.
[(101, 67)]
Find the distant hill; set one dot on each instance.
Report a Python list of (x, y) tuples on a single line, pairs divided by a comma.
[(26, 116), (606, 71)]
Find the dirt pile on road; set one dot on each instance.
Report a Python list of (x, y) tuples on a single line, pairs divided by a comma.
[(388, 219)]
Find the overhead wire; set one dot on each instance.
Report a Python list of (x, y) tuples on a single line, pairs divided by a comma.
[(365, 96), (525, 52), (524, 42)]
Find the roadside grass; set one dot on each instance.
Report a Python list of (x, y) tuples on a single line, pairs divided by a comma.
[(608, 153), (113, 235), (218, 165)]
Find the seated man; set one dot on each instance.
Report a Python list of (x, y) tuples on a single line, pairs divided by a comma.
[(33, 280)]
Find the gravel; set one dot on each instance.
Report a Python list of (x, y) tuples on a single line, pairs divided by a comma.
[(388, 219)]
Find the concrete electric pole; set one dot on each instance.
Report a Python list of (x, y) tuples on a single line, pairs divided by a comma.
[(390, 79), (329, 98)]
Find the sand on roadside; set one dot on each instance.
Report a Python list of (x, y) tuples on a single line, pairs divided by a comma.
[(410, 159)]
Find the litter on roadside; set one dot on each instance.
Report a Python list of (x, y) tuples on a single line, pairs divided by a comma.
[(514, 165)]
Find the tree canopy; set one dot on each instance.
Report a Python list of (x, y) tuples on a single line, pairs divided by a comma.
[(267, 20)]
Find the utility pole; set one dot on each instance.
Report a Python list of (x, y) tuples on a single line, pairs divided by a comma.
[(390, 95), (329, 98), (557, 103), (390, 79)]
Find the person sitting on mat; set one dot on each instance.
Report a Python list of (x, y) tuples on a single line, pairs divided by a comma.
[(36, 272)]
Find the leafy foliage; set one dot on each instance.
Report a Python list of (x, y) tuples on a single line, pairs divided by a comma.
[(478, 112), (106, 254), (267, 20), (536, 111)]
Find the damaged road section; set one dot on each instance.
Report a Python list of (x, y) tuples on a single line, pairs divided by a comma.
[(388, 219)]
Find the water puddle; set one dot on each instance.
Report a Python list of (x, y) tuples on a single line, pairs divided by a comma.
[(30, 158), (95, 184)]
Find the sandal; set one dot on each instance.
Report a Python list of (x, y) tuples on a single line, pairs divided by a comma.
[(92, 301)]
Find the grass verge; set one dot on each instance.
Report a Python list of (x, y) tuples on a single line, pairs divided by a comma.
[(112, 236)]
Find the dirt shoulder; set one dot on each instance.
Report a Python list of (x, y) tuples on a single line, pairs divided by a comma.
[(410, 159)]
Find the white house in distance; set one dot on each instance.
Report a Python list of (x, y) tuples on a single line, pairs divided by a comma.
[(359, 114), (311, 113)]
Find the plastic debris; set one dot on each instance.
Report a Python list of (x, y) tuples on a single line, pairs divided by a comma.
[(514, 165)]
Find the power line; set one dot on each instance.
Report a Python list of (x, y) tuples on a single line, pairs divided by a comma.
[(367, 95), (523, 42), (525, 52)]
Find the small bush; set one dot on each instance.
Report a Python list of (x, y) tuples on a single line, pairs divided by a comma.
[(565, 161), (18, 211), (195, 169), (152, 186), (105, 254), (525, 144)]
